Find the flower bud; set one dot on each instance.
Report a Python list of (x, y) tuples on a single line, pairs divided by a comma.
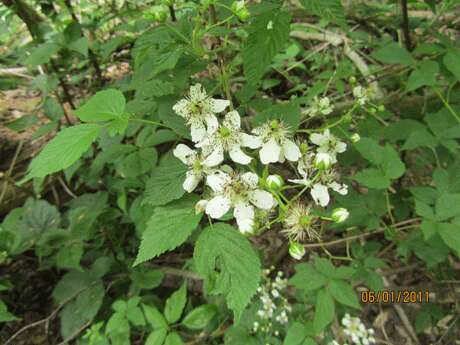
[(352, 80), (340, 215), (200, 206), (296, 250), (381, 108), (323, 161), (274, 181), (240, 10), (372, 110), (355, 138)]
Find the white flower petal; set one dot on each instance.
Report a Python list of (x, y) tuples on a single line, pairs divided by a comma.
[(340, 147), (184, 153), (191, 181), (198, 132), (320, 194), (291, 151), (197, 93), (219, 105), (250, 141), (212, 123), (215, 158), (250, 179), (239, 156), (270, 152), (232, 120), (217, 180), (244, 214), (339, 188), (200, 206), (303, 181), (218, 206), (181, 108), (262, 199)]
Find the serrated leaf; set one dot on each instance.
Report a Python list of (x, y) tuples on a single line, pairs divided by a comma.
[(372, 178), (393, 53), (268, 33), (239, 265), (451, 60), (370, 150), (392, 165), (156, 337), (295, 334), (424, 75), (175, 304), (42, 54), (450, 233), (343, 293), (169, 227), (330, 10), (307, 278), (165, 183), (324, 310), (447, 206), (173, 339), (103, 106), (63, 150), (154, 317), (199, 317)]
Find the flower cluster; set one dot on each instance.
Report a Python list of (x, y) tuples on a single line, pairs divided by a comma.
[(356, 331), (274, 306), (244, 192)]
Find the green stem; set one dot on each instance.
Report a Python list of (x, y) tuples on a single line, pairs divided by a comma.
[(447, 105), (150, 122)]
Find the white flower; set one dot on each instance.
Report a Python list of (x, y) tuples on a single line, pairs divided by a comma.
[(275, 142), (361, 94), (196, 163), (228, 138), (238, 191), (328, 143), (274, 181), (299, 223), (296, 250), (200, 206), (340, 215), (198, 110), (357, 331), (320, 192), (320, 106)]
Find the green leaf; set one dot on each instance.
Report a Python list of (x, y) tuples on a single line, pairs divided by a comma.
[(5, 315), (80, 46), (175, 304), (42, 54), (156, 337), (173, 339), (103, 106), (330, 10), (165, 183), (295, 334), (324, 310), (154, 317), (370, 150), (63, 150), (199, 317), (307, 278), (392, 165), (268, 33), (22, 123), (239, 266), (424, 75), (393, 54), (450, 233), (147, 278), (372, 178), (447, 206), (169, 227), (343, 293), (325, 267), (451, 60), (420, 138), (138, 162), (52, 109)]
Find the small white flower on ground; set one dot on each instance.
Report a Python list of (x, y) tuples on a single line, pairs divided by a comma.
[(198, 110), (276, 143), (340, 215), (357, 331), (328, 143), (355, 138), (196, 163), (240, 192), (228, 138), (274, 181), (296, 250)]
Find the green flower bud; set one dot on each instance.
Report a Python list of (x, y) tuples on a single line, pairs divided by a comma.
[(352, 80), (296, 250), (355, 138), (274, 181), (323, 161), (240, 10), (381, 108), (340, 215)]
